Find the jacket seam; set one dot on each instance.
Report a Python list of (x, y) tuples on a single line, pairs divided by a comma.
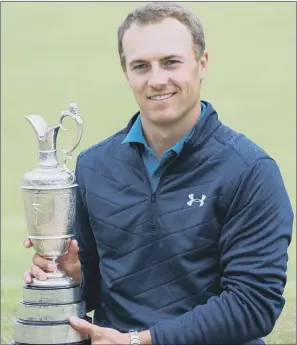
[(159, 263), (98, 173), (100, 197), (179, 278), (128, 165), (161, 239), (252, 166), (170, 304), (101, 143), (265, 156), (116, 227)]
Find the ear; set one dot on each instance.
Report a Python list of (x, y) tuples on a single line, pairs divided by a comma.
[(203, 64)]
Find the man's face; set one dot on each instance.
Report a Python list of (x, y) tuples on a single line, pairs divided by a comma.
[(163, 70)]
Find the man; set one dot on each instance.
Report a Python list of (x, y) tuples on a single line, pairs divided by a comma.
[(183, 225)]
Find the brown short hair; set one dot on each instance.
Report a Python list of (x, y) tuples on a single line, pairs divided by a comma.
[(155, 12)]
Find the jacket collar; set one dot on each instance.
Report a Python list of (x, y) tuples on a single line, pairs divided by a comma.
[(202, 130)]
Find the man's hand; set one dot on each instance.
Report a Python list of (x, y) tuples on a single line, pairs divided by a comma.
[(68, 263), (99, 335)]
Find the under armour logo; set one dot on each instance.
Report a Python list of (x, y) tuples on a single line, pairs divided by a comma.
[(192, 199)]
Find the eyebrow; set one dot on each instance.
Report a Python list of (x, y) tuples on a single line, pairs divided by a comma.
[(139, 61)]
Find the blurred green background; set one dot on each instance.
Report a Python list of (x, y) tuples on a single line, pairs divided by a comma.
[(55, 53)]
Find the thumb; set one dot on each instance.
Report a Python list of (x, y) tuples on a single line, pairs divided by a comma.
[(81, 325), (73, 252), (27, 243)]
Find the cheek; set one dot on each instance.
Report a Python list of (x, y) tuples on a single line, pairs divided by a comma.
[(187, 81), (136, 82), (193, 84), (137, 86)]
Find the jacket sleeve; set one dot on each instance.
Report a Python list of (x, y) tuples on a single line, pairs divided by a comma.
[(253, 258), (88, 254)]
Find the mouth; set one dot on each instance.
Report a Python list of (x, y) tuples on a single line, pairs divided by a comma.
[(162, 97)]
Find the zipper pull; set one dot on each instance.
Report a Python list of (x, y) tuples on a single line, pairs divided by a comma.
[(153, 197)]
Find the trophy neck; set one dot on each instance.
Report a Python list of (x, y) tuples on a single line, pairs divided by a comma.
[(48, 159), (48, 140)]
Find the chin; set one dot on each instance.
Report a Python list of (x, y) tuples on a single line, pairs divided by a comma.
[(162, 117)]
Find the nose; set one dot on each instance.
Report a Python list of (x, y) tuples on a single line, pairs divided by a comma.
[(157, 78)]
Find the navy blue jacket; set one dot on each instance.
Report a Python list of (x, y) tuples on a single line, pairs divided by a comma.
[(210, 271)]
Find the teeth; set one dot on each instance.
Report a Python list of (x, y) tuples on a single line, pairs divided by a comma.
[(160, 98)]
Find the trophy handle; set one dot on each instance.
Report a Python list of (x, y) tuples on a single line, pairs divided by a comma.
[(73, 113)]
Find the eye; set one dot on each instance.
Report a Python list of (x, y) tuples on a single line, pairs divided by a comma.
[(138, 67), (171, 62)]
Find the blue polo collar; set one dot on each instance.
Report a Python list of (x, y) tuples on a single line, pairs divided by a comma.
[(135, 135)]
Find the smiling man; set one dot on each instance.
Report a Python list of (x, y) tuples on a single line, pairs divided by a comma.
[(183, 225), (164, 68)]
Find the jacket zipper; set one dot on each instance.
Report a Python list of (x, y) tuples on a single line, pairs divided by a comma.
[(153, 194), (152, 213)]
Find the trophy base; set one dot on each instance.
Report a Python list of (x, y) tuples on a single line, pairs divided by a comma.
[(54, 282), (41, 295), (84, 342), (45, 333), (50, 312), (44, 311)]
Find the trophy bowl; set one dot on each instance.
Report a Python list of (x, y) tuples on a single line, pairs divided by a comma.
[(50, 246)]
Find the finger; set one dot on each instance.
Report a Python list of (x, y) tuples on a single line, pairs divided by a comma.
[(38, 273), (73, 245), (27, 243), (73, 252), (68, 242), (84, 326), (71, 242), (28, 277), (43, 263)]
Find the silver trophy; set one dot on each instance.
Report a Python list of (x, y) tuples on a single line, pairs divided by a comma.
[(50, 202)]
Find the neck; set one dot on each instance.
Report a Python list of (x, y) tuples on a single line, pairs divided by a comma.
[(161, 137)]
